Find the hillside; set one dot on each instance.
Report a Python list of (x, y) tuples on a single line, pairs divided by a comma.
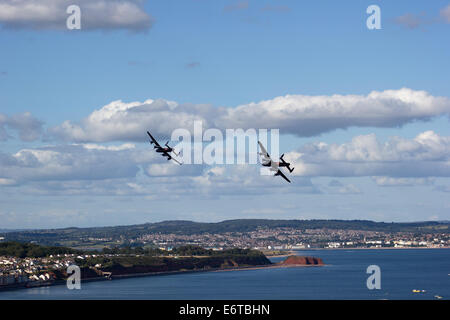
[(65, 236), (144, 264)]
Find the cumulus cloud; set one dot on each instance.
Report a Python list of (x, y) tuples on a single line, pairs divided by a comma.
[(170, 168), (6, 182), (312, 115), (427, 155), (346, 189), (125, 146), (335, 183), (337, 187), (295, 114), (95, 14), (442, 188), (129, 121), (244, 179), (71, 162), (402, 182), (124, 170), (27, 127)]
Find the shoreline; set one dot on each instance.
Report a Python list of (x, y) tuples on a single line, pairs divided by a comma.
[(294, 252), (370, 248), (149, 274), (162, 273), (276, 265), (288, 253)]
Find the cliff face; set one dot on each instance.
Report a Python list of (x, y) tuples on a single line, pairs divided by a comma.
[(300, 260), (86, 273), (130, 265)]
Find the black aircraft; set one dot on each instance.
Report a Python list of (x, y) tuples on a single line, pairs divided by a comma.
[(165, 151), (274, 166)]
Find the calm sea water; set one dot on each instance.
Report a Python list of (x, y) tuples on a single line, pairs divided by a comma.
[(344, 277)]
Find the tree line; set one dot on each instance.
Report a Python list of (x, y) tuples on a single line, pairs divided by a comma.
[(24, 250)]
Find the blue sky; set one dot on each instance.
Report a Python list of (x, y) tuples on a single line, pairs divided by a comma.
[(222, 54)]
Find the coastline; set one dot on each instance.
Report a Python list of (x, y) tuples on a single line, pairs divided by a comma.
[(28, 285), (370, 248), (149, 274), (162, 273), (294, 252), (285, 254)]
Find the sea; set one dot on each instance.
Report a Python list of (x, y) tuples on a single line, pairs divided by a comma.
[(343, 277)]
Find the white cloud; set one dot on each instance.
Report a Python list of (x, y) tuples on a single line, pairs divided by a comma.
[(335, 183), (6, 182), (427, 155), (95, 14), (263, 211), (73, 162), (296, 114), (124, 170), (313, 115), (349, 189), (336, 187), (130, 121), (170, 168), (244, 180), (120, 176), (125, 146), (27, 127), (402, 182), (442, 188)]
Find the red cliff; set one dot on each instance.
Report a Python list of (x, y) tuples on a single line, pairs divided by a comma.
[(300, 260)]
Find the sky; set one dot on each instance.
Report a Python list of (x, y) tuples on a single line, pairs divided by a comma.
[(363, 114)]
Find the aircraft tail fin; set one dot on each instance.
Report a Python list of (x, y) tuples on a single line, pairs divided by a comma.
[(288, 165)]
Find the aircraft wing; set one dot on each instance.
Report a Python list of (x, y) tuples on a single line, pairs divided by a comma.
[(263, 152), (169, 157), (280, 173), (153, 140)]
